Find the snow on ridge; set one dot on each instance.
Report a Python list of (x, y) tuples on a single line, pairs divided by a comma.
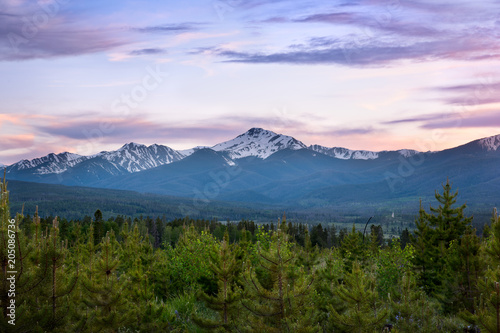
[(131, 157), (187, 152), (408, 152), (491, 143), (258, 142), (344, 153)]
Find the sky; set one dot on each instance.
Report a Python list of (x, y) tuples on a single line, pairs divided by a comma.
[(88, 76)]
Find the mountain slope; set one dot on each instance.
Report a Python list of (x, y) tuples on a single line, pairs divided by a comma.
[(258, 142), (261, 166), (72, 169)]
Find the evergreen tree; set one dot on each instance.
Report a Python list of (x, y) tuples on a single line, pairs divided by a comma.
[(60, 282), (106, 291), (433, 236), (468, 265), (405, 238), (326, 297), (226, 268), (412, 311), (487, 315), (364, 313), (352, 248), (285, 307)]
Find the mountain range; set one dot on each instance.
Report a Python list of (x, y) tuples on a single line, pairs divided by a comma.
[(260, 166)]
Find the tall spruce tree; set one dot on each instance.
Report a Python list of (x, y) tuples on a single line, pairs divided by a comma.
[(435, 231), (55, 293)]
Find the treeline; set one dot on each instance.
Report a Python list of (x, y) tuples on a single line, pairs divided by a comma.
[(184, 275), (162, 233)]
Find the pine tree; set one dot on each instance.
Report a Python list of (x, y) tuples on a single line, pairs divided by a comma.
[(308, 255), (329, 279), (61, 281), (106, 291), (136, 262), (434, 234), (226, 268), (352, 248), (412, 311), (487, 315), (16, 265), (286, 306), (364, 313), (468, 265)]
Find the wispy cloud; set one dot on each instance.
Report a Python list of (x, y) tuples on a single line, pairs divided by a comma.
[(16, 141), (169, 28), (371, 52), (151, 51), (471, 94), (56, 34), (470, 120), (477, 119)]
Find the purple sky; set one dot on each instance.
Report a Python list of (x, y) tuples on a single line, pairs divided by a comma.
[(87, 76)]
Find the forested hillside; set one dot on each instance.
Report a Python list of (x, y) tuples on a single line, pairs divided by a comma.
[(184, 275)]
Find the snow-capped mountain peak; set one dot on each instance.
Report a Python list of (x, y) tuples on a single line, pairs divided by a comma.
[(132, 145), (51, 163), (491, 143), (258, 142), (131, 157), (134, 157)]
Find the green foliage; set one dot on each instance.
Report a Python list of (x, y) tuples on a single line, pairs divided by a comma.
[(352, 248), (329, 277), (186, 275), (392, 265), (226, 269), (487, 316), (187, 262), (286, 305), (364, 311), (435, 233)]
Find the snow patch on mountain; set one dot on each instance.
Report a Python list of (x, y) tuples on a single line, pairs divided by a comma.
[(344, 153), (51, 163), (135, 157), (258, 142), (187, 152), (491, 143), (131, 157), (408, 152)]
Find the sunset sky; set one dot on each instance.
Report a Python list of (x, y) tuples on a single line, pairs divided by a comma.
[(87, 76)]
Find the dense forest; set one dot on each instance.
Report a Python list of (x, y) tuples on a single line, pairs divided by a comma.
[(193, 275)]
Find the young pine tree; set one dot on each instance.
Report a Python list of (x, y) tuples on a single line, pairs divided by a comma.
[(106, 292), (328, 280), (226, 268), (364, 312), (287, 305)]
